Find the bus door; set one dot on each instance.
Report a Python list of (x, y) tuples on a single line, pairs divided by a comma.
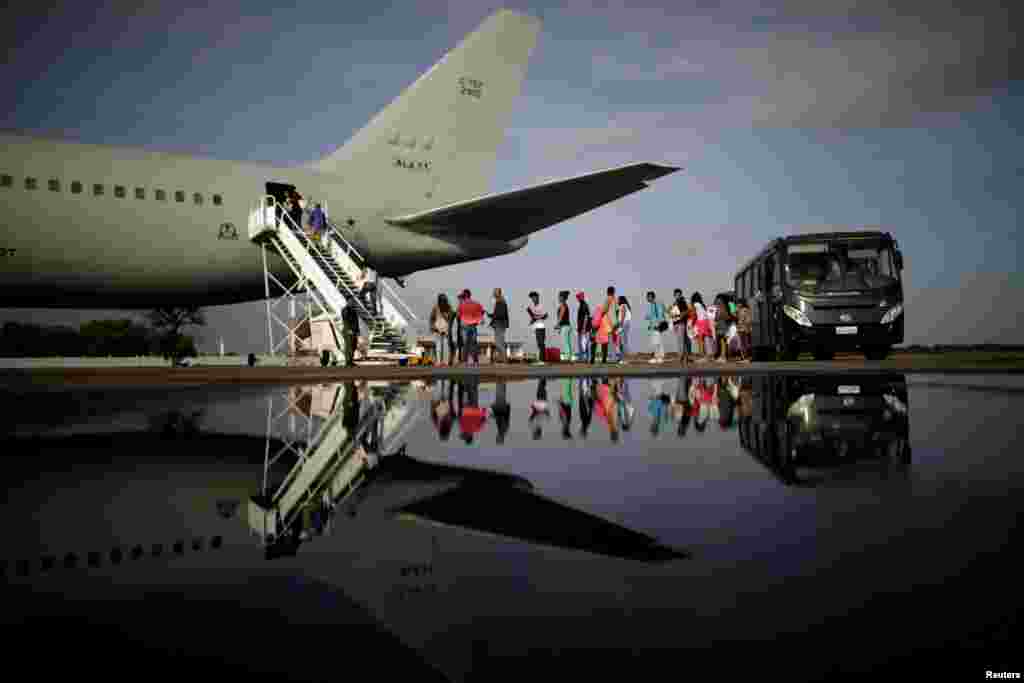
[(763, 309)]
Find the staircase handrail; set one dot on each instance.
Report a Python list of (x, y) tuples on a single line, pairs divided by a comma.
[(350, 249), (394, 295), (308, 244)]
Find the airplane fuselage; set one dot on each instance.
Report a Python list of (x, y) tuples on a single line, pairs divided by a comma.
[(84, 226)]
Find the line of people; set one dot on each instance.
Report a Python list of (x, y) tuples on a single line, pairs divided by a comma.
[(695, 401), (456, 329), (718, 332)]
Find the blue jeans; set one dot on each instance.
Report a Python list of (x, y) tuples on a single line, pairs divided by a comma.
[(469, 335), (624, 340), (583, 343)]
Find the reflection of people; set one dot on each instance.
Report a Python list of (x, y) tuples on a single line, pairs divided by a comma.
[(681, 406), (726, 401), (565, 407), (471, 416), (657, 406), (607, 408), (586, 406), (539, 412), (699, 408), (442, 412), (350, 416), (626, 409), (502, 411)]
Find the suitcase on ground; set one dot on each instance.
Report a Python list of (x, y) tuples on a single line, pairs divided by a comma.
[(552, 354)]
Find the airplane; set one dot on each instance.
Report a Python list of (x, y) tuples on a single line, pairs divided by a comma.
[(91, 226)]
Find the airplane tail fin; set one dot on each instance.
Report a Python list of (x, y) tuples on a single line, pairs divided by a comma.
[(438, 140)]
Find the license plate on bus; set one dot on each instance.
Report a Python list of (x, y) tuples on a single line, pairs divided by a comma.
[(849, 389), (846, 330)]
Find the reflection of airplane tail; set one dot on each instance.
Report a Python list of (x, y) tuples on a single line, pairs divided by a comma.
[(525, 515)]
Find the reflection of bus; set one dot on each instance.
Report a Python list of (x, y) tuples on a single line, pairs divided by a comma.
[(826, 424), (826, 292)]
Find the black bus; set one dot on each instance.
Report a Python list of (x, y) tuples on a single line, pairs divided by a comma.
[(825, 292)]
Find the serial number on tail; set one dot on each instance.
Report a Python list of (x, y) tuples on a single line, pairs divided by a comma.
[(471, 87), (412, 165)]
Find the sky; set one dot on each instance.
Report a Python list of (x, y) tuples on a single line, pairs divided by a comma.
[(789, 116)]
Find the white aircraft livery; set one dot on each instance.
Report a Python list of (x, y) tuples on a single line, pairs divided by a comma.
[(90, 226)]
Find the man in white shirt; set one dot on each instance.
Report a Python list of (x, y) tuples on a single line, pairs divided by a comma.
[(537, 318)]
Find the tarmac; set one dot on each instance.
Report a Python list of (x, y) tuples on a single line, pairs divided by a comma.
[(57, 378)]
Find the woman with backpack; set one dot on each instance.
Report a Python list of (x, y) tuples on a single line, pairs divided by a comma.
[(440, 325)]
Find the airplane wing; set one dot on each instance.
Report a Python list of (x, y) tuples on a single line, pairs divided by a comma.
[(521, 514), (511, 215)]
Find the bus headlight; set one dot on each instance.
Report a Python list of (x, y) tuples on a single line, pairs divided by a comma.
[(796, 315), (892, 314)]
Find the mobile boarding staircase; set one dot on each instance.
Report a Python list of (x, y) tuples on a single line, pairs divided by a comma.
[(326, 275), (324, 465)]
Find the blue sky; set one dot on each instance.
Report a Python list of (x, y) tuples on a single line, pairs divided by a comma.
[(788, 117)]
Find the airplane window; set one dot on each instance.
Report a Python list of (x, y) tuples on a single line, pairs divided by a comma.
[(54, 185), (179, 196), (197, 198), (30, 183), (97, 190), (119, 191), (216, 200), (160, 195), (140, 193), (6, 180), (76, 187)]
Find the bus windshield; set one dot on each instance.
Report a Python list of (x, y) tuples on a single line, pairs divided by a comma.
[(840, 266)]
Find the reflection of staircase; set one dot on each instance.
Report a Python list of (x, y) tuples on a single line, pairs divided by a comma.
[(330, 271), (332, 464)]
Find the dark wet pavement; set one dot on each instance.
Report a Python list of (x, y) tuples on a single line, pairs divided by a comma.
[(802, 526)]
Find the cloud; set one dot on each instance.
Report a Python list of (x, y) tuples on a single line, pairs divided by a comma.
[(819, 67)]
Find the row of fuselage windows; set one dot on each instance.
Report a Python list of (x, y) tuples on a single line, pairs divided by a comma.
[(120, 191)]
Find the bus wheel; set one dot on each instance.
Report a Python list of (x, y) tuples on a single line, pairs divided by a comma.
[(824, 354), (876, 352)]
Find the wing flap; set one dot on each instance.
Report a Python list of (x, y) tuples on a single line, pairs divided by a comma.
[(514, 214)]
